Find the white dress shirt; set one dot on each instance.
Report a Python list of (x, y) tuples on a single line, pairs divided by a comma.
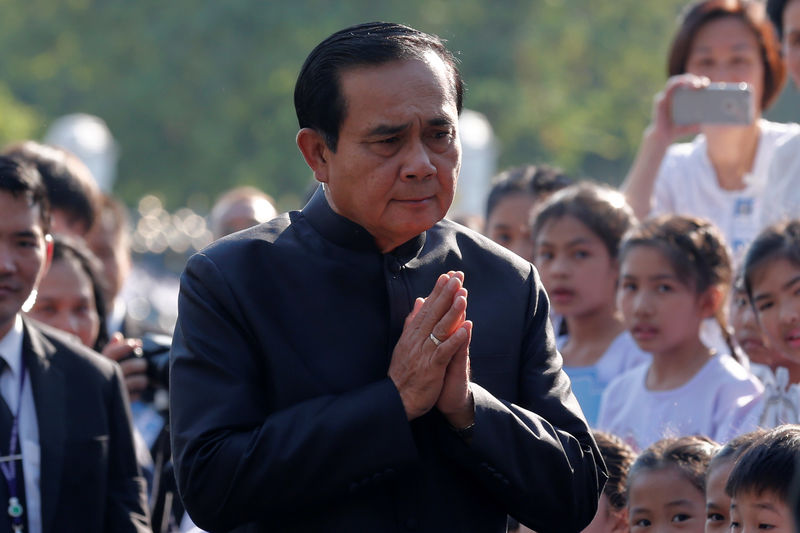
[(11, 352)]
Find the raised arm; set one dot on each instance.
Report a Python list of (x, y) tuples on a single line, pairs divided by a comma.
[(640, 182)]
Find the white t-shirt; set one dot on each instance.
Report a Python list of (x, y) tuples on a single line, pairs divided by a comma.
[(781, 199), (687, 184), (589, 382), (701, 406)]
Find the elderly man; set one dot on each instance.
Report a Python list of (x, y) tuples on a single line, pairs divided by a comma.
[(314, 389)]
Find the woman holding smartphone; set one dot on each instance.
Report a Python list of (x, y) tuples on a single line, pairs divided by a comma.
[(720, 175)]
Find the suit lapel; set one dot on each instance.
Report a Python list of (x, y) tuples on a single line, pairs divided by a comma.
[(49, 395)]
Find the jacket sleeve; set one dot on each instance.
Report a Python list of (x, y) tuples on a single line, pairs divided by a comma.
[(239, 456), (126, 505), (536, 455)]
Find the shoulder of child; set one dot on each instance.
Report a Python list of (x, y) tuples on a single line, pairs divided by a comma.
[(619, 390), (735, 381)]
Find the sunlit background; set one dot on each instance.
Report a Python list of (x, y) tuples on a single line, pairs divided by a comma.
[(198, 95)]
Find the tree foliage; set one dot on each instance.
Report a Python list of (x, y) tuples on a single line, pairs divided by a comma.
[(199, 94)]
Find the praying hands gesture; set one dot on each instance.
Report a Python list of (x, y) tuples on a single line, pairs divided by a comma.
[(430, 363)]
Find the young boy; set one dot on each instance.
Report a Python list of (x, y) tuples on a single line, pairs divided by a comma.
[(763, 483)]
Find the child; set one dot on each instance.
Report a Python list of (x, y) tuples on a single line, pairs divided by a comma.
[(780, 402), (749, 336), (674, 273), (665, 485), (612, 512), (577, 232), (763, 483), (512, 198), (772, 278), (718, 503)]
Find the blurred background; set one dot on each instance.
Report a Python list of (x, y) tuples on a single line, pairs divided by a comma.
[(198, 95)]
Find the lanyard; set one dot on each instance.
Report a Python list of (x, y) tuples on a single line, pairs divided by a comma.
[(7, 463)]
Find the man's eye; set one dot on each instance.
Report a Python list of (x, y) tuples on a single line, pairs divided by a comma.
[(715, 517), (643, 522), (681, 517)]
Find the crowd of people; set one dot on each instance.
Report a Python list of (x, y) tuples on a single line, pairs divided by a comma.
[(675, 301), (327, 372)]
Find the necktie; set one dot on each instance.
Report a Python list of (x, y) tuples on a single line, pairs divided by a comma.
[(6, 423)]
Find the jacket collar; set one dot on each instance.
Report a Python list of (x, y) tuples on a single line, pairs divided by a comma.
[(346, 233), (49, 396)]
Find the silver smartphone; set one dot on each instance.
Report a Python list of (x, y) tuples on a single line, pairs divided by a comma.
[(719, 103)]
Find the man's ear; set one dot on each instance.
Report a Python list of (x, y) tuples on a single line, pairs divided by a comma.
[(315, 151)]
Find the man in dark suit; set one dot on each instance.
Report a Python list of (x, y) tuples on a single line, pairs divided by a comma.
[(314, 389), (71, 466)]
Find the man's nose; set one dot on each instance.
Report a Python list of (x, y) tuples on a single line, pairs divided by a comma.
[(417, 163), (7, 263), (65, 321)]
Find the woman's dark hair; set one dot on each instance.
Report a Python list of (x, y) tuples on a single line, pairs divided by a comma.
[(531, 180), (769, 465), (779, 241), (600, 208), (689, 455), (68, 249), (752, 13), (696, 251), (318, 99), (619, 458)]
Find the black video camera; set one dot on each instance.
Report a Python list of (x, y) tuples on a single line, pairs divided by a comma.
[(155, 351)]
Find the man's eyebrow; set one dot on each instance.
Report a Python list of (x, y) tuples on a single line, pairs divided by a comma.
[(440, 121), (386, 129)]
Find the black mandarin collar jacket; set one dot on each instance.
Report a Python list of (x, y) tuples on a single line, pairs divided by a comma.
[(284, 419)]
